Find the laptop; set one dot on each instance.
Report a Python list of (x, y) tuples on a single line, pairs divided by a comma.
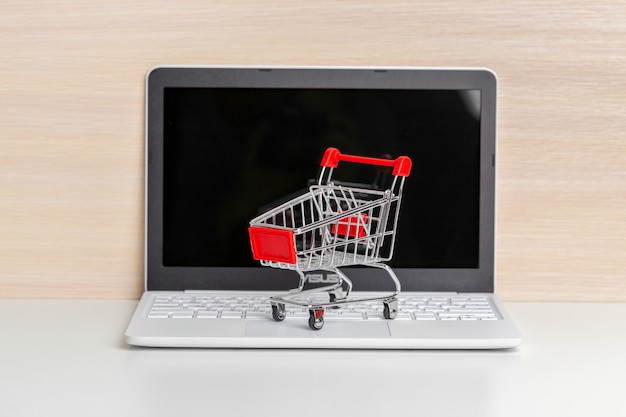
[(226, 144)]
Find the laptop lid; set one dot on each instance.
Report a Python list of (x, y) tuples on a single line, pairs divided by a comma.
[(224, 144)]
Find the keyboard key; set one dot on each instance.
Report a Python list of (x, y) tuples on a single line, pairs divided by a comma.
[(338, 314), (183, 315), (449, 315), (469, 311), (258, 314), (206, 314), (230, 314), (158, 315)]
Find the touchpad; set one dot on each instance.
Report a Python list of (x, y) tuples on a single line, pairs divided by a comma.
[(293, 328)]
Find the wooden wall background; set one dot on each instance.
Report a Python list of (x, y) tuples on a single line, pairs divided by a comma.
[(71, 123)]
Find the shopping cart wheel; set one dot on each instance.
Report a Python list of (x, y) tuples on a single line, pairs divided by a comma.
[(278, 311), (390, 308), (316, 318)]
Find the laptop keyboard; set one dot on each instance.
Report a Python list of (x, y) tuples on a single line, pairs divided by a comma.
[(410, 307)]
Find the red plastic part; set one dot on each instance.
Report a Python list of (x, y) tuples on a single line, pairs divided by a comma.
[(352, 226), (276, 245), (401, 165)]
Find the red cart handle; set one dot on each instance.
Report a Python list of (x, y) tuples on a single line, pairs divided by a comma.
[(401, 165)]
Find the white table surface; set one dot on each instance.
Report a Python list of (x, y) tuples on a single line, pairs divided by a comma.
[(68, 358)]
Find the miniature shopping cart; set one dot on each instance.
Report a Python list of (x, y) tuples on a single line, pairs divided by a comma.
[(332, 226)]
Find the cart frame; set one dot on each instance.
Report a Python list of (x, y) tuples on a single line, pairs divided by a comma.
[(329, 227)]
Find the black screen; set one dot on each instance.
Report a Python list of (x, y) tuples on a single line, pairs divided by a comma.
[(231, 153)]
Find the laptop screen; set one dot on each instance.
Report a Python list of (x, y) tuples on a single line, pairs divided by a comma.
[(230, 145)]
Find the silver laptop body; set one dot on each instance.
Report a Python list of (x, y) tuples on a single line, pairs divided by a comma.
[(224, 144)]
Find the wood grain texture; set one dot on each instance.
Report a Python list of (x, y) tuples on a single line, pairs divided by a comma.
[(72, 102)]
